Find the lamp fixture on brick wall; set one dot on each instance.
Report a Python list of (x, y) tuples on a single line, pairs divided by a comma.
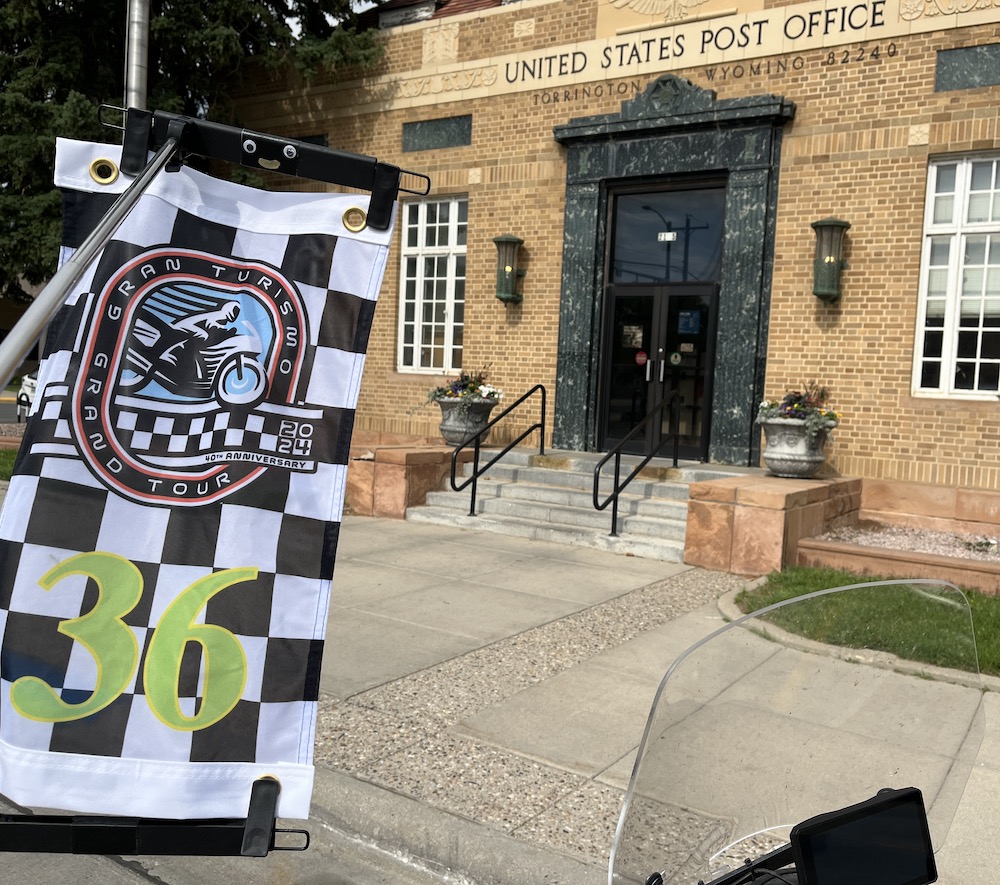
[(829, 261), (507, 270)]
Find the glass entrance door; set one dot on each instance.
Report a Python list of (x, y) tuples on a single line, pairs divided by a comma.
[(661, 339), (660, 309)]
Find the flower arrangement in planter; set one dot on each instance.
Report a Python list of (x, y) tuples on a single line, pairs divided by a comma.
[(796, 429), (807, 405), (468, 386), (466, 403)]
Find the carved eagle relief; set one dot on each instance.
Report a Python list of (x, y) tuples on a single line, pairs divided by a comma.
[(667, 10)]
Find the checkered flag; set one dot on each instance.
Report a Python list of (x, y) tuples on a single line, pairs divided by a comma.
[(168, 538)]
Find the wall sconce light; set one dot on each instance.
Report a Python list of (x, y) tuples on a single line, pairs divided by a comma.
[(507, 271), (829, 261)]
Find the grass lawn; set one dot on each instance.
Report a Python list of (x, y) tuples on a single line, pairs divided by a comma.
[(7, 457), (895, 623)]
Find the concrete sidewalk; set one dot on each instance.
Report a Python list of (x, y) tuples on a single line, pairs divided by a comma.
[(489, 678), (484, 697)]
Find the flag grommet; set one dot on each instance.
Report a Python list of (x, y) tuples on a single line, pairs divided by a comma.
[(355, 219), (104, 171)]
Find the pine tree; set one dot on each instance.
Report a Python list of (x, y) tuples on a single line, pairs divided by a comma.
[(61, 59)]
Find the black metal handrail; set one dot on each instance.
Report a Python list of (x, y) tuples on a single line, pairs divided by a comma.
[(672, 396), (476, 441)]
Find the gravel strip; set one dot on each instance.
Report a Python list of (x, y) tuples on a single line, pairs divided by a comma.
[(897, 537)]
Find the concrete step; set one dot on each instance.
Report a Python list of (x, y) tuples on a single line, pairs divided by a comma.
[(576, 517), (664, 550), (670, 503), (584, 481), (585, 462), (521, 507), (551, 498), (570, 465), (567, 479), (578, 506), (651, 527)]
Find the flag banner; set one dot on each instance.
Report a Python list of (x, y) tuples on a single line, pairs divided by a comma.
[(167, 541)]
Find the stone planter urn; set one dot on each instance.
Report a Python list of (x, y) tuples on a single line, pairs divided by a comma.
[(463, 417), (790, 450)]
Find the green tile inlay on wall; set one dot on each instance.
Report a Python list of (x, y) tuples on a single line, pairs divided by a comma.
[(446, 132), (970, 67)]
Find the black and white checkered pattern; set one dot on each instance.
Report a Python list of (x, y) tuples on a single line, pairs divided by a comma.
[(157, 436), (284, 523)]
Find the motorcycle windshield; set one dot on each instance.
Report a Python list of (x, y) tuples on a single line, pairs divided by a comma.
[(804, 707)]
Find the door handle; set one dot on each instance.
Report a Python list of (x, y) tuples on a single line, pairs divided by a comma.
[(661, 370), (649, 369)]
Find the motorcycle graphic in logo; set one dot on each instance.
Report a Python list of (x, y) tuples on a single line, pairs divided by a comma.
[(188, 380), (189, 342)]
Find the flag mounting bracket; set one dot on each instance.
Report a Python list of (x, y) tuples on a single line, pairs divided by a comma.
[(253, 836), (172, 136), (148, 130)]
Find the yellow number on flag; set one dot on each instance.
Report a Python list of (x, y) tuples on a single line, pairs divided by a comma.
[(101, 631), (115, 650), (225, 661)]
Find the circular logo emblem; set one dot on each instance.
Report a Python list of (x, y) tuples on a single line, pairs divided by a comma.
[(188, 363)]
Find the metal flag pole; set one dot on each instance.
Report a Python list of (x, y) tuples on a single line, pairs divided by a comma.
[(22, 337), (136, 53)]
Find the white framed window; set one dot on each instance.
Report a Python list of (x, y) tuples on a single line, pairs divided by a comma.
[(957, 352), (432, 285)]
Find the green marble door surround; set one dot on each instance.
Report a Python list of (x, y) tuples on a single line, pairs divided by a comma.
[(673, 129)]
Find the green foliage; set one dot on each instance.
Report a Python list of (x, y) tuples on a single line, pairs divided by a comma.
[(875, 619), (468, 386), (795, 581), (7, 458), (61, 59)]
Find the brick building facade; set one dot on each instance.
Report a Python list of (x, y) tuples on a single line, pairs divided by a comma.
[(663, 162)]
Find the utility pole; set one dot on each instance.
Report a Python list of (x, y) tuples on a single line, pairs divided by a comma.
[(688, 228)]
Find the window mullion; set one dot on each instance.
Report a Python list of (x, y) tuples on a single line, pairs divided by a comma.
[(952, 316), (450, 304)]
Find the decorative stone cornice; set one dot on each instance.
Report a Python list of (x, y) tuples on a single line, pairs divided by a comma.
[(665, 10), (910, 10), (457, 81)]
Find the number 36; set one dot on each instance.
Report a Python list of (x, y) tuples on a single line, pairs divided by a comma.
[(116, 652)]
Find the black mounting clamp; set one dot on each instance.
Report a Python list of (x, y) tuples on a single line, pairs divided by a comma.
[(148, 130), (253, 836)]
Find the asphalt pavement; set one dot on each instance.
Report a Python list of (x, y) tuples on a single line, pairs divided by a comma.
[(8, 408)]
